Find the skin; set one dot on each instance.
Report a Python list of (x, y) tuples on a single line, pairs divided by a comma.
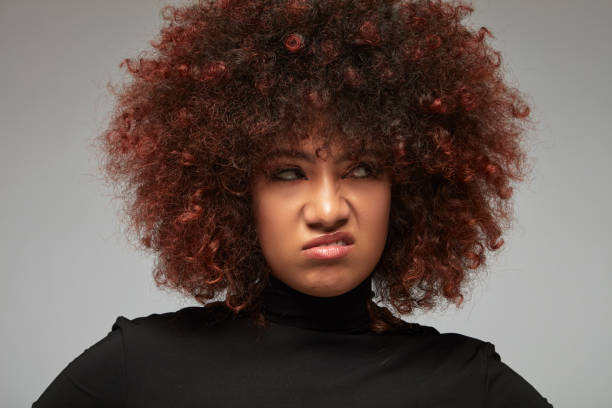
[(321, 197)]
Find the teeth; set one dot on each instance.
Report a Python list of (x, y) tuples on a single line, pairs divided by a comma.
[(335, 243)]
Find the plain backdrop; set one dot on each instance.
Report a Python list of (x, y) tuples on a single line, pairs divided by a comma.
[(68, 272)]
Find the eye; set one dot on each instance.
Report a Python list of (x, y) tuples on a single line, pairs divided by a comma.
[(285, 174), (370, 170), (362, 170)]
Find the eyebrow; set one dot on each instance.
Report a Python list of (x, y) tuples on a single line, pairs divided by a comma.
[(299, 154)]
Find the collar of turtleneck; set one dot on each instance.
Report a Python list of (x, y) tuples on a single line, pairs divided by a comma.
[(346, 313)]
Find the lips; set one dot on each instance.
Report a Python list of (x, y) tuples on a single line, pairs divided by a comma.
[(347, 237)]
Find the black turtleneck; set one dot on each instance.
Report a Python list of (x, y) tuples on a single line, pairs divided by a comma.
[(346, 313), (316, 352)]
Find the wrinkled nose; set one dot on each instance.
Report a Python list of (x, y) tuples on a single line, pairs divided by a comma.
[(326, 207)]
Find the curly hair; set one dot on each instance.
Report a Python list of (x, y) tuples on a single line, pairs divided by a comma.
[(228, 80)]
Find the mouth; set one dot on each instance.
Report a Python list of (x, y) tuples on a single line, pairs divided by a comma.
[(329, 246), (328, 251), (337, 239)]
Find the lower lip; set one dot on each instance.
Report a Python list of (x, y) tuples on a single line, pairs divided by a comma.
[(328, 252)]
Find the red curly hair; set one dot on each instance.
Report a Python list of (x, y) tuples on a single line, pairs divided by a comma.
[(227, 80)]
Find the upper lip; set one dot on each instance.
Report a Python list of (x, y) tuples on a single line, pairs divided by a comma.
[(347, 237)]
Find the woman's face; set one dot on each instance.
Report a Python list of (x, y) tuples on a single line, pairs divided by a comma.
[(303, 198)]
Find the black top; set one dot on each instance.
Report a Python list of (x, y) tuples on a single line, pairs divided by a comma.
[(317, 352)]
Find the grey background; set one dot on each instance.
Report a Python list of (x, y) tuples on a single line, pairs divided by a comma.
[(67, 271)]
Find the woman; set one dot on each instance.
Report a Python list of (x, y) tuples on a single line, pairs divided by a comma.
[(289, 162)]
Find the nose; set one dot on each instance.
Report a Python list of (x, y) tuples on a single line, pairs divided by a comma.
[(326, 207)]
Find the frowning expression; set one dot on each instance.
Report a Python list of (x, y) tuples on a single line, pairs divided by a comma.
[(302, 197)]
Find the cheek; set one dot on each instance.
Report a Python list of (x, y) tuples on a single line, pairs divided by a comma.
[(376, 207), (272, 226)]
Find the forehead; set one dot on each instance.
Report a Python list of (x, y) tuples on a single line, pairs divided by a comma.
[(313, 149), (311, 157)]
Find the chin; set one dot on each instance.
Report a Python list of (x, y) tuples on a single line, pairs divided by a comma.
[(328, 284), (325, 292)]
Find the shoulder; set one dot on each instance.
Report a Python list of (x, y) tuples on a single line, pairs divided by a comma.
[(450, 342), (189, 317), (100, 375), (454, 349), (439, 354), (96, 377), (472, 362), (185, 320), (461, 343)]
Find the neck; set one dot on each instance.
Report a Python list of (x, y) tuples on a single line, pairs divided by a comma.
[(346, 313)]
